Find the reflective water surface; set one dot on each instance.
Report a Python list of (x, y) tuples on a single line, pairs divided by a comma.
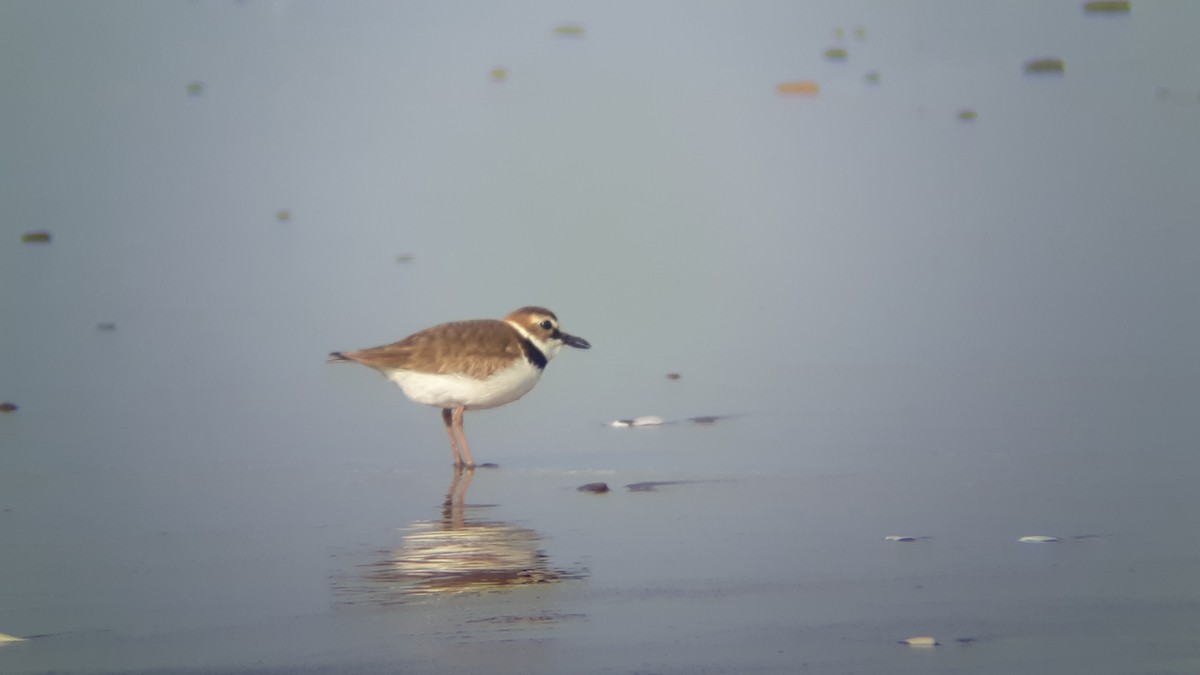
[(459, 553)]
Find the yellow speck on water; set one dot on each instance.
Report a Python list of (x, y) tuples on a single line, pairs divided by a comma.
[(36, 237), (570, 30), (1103, 7), (967, 115), (1044, 66), (498, 74), (283, 215), (836, 54), (921, 641), (872, 77), (195, 88)]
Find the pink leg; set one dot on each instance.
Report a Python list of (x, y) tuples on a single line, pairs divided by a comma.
[(448, 420), (462, 436)]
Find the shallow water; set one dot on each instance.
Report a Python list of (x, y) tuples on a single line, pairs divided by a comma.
[(890, 323)]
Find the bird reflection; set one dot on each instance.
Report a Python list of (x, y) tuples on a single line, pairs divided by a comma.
[(460, 554)]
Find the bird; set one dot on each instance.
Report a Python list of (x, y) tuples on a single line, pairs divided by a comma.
[(469, 365)]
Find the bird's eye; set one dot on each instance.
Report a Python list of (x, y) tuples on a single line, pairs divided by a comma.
[(546, 325)]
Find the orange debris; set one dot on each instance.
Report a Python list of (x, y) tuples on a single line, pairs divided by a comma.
[(799, 87)]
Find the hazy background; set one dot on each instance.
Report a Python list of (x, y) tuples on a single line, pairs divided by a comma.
[(979, 329)]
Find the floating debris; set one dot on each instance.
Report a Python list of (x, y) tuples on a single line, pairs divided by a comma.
[(8, 406), (195, 88), (652, 485), (673, 376), (710, 419), (39, 237), (643, 421), (488, 465), (1045, 66), (283, 215), (1106, 7), (5, 637), (920, 641), (967, 115), (805, 87), (595, 488), (872, 77), (106, 325), (498, 74), (570, 30), (1038, 539), (836, 54), (899, 537)]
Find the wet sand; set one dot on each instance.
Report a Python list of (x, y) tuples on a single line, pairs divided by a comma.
[(513, 570)]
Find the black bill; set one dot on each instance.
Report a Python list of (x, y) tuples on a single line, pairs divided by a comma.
[(572, 341)]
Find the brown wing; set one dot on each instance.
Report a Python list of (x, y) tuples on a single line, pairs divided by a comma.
[(475, 348)]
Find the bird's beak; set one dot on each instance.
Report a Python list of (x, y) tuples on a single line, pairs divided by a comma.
[(572, 341)]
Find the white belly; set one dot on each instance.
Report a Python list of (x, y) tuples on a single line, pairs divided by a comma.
[(451, 391)]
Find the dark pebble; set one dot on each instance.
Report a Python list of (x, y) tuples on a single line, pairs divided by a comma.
[(650, 485), (597, 488), (8, 406)]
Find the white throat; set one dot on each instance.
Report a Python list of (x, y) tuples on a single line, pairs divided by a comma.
[(549, 348)]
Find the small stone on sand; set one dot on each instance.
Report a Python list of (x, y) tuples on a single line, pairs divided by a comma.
[(643, 421), (595, 488)]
